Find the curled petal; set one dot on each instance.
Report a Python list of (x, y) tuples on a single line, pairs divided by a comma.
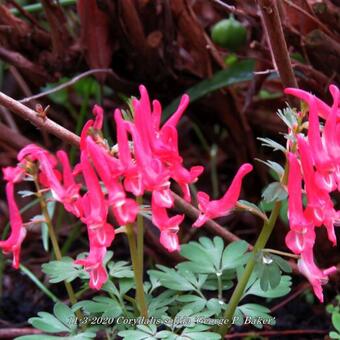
[(315, 276), (98, 112)]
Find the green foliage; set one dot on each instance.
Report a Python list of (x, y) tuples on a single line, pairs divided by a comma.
[(269, 268), (236, 73), (61, 321), (255, 314), (63, 270), (120, 269), (176, 297), (211, 257), (334, 310), (150, 333), (288, 116), (276, 167), (102, 305), (181, 279), (274, 192), (272, 144)]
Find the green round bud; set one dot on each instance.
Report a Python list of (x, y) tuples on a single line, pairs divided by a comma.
[(229, 33)]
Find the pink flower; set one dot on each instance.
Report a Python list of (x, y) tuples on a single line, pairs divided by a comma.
[(18, 231), (98, 112), (133, 178), (320, 209), (70, 196), (95, 207), (14, 174), (217, 208), (161, 143), (315, 276), (297, 220), (94, 265), (168, 226), (322, 108)]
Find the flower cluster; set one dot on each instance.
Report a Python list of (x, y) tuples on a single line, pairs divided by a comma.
[(145, 159), (316, 161)]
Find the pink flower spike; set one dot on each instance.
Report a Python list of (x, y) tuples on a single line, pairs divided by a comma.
[(217, 208), (98, 112), (18, 231), (315, 276)]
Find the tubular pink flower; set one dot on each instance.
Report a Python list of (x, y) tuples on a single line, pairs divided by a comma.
[(298, 241), (322, 108), (13, 174), (315, 276), (71, 188), (133, 178), (168, 227), (94, 265), (185, 177), (297, 220), (94, 206), (122, 140), (217, 208), (320, 209), (316, 197), (154, 174), (98, 112), (18, 231), (125, 211), (108, 169), (174, 119), (330, 131)]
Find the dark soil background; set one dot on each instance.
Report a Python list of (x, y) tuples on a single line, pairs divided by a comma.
[(165, 45)]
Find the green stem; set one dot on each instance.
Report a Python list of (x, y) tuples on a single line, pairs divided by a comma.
[(282, 253), (140, 297), (54, 240), (36, 281), (242, 283), (140, 237), (219, 285)]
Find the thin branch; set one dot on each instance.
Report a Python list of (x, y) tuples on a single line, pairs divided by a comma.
[(11, 333), (277, 44), (67, 84), (46, 124)]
